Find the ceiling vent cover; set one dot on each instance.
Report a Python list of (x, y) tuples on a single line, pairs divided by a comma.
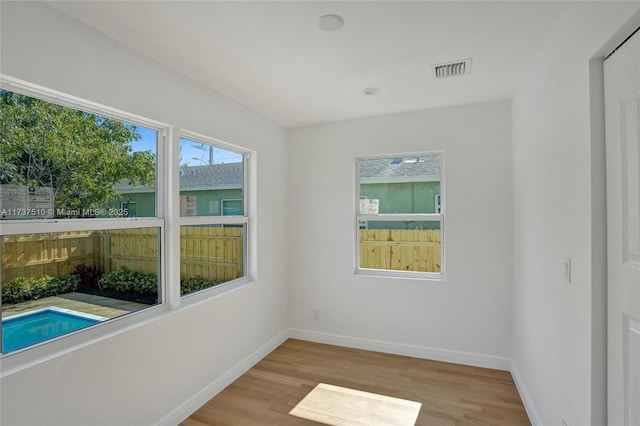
[(452, 69)]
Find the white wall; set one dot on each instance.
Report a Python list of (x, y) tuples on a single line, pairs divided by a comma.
[(468, 312), (558, 328), (140, 376)]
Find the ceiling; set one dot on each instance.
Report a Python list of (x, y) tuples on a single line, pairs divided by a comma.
[(273, 58)]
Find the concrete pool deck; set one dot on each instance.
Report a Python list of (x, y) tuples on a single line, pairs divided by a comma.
[(81, 302)]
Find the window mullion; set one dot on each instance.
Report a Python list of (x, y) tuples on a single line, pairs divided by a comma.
[(404, 217), (173, 222)]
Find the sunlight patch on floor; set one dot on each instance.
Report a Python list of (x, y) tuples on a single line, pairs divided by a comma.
[(338, 406)]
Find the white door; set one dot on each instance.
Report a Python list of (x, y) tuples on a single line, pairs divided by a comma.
[(622, 106)]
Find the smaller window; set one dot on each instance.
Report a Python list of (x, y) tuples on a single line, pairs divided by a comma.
[(399, 218), (231, 207), (128, 208)]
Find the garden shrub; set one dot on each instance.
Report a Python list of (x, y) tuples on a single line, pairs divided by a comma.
[(16, 290), (125, 280), (40, 287), (189, 285), (21, 289), (64, 284)]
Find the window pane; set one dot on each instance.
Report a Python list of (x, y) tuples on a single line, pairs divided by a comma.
[(209, 175), (401, 246), (56, 283), (399, 185), (210, 255), (58, 162)]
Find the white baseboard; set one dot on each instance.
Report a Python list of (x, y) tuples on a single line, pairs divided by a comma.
[(534, 418), (199, 399), (476, 360)]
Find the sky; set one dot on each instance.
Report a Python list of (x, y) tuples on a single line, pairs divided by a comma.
[(192, 153)]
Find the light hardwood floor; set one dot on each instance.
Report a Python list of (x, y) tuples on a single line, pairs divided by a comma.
[(450, 394)]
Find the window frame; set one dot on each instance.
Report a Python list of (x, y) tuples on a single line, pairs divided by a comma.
[(15, 359), (195, 220), (394, 217), (222, 202), (167, 220)]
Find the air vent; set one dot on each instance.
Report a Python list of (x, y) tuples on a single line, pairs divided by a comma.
[(452, 69)]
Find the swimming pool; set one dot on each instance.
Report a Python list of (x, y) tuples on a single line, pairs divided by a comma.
[(20, 331)]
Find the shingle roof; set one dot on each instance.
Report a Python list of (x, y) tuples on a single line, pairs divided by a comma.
[(425, 167), (212, 176), (230, 175)]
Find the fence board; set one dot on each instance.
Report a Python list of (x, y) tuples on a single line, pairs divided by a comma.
[(416, 250), (212, 252), (135, 249), (35, 255), (208, 252)]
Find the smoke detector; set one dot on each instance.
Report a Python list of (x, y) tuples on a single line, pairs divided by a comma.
[(452, 69), (370, 91), (330, 22)]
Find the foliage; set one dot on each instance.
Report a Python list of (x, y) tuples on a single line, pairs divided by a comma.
[(16, 290), (125, 280), (64, 284), (44, 287), (21, 289), (78, 154), (189, 285), (88, 275)]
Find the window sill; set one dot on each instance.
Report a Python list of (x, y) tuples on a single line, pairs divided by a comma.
[(30, 356), (214, 292), (378, 273), (22, 359)]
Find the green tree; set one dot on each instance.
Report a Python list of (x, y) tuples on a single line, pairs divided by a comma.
[(79, 155)]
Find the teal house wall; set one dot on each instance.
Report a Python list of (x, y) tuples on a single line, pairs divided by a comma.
[(137, 204), (402, 197), (208, 202)]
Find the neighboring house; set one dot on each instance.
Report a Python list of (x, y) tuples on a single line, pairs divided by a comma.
[(208, 190), (402, 185), (216, 189)]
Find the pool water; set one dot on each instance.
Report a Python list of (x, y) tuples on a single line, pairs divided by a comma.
[(23, 330)]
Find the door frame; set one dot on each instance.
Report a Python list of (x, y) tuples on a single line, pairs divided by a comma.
[(599, 303)]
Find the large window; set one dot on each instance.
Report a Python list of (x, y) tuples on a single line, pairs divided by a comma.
[(87, 217), (400, 216), (213, 218)]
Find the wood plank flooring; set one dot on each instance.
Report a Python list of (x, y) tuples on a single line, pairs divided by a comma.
[(450, 394)]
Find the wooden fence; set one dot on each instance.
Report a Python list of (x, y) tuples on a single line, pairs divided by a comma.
[(208, 252), (215, 253), (35, 255), (401, 250)]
